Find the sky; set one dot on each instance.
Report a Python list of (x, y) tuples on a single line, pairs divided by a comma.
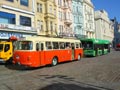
[(110, 6)]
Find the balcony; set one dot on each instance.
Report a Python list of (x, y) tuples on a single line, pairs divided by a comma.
[(67, 21), (90, 21), (65, 7), (17, 28), (50, 15)]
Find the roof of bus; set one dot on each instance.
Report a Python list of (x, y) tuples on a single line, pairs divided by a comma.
[(41, 38), (97, 41)]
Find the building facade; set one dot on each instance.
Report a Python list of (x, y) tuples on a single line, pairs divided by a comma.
[(68, 18), (40, 23), (116, 25), (89, 23), (60, 19), (104, 27), (17, 18), (46, 17), (65, 19), (77, 12)]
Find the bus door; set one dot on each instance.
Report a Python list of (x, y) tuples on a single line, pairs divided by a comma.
[(40, 48), (73, 50)]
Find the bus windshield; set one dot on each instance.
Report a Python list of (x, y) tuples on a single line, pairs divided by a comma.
[(1, 47), (24, 45), (87, 45)]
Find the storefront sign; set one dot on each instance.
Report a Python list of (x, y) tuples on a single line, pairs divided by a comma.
[(6, 35)]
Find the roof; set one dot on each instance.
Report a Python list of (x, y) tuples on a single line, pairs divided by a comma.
[(97, 41), (41, 38)]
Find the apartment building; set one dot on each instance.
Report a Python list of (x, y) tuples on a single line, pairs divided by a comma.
[(46, 17), (116, 25), (40, 23), (89, 24), (68, 18), (65, 19), (16, 18), (104, 27), (60, 19), (77, 12)]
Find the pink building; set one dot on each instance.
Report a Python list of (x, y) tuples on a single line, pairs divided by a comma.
[(65, 26)]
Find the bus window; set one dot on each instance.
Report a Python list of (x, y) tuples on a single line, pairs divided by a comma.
[(7, 47), (68, 45), (88, 45), (96, 46), (48, 45), (55, 45), (37, 46), (24, 45), (42, 46), (77, 45), (62, 45)]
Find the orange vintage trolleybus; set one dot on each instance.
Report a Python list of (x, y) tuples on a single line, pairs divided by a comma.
[(39, 51)]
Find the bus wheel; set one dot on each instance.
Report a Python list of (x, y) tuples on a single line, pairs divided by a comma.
[(54, 61), (79, 57)]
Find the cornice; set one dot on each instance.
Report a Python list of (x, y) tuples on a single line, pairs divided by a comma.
[(89, 3)]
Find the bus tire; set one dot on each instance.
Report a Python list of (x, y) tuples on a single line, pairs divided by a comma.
[(54, 61), (79, 57)]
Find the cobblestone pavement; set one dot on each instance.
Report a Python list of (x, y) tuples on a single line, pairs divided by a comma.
[(93, 73)]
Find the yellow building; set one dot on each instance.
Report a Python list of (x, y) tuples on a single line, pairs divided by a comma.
[(16, 18), (46, 17)]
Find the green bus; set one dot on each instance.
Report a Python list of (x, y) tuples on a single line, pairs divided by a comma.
[(95, 47)]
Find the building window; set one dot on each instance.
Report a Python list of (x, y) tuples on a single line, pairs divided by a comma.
[(24, 2), (60, 2), (46, 25), (40, 25), (39, 7), (10, 0), (7, 18), (50, 9), (55, 12), (51, 26), (25, 21), (59, 15), (65, 16)]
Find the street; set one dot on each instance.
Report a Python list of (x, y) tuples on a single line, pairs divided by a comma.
[(90, 73)]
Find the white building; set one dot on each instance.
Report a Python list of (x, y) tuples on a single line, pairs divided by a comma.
[(104, 27), (16, 18), (89, 25)]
